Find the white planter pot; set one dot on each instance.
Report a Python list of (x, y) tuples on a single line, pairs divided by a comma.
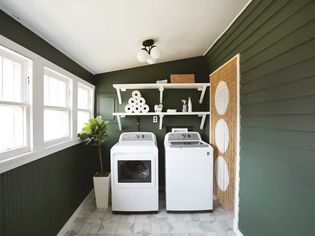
[(101, 188)]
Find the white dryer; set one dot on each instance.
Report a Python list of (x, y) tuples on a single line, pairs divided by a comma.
[(134, 166), (188, 172)]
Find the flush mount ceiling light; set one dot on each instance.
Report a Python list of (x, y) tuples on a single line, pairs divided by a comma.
[(149, 53)]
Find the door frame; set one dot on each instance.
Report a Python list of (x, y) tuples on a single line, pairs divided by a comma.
[(238, 139)]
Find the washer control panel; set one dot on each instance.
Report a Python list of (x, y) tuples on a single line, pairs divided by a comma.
[(184, 136)]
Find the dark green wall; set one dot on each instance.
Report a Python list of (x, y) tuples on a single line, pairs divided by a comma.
[(38, 198), (13, 30), (172, 99), (276, 42)]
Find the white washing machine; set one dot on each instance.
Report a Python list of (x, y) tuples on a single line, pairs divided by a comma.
[(134, 166), (188, 172)]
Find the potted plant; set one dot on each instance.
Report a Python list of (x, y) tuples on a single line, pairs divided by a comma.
[(94, 133)]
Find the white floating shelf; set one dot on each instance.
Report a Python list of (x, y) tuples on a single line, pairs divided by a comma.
[(199, 86), (202, 114)]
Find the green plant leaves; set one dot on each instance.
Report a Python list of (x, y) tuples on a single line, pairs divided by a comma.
[(94, 131)]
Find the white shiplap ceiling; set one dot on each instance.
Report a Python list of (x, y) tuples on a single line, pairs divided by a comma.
[(105, 35)]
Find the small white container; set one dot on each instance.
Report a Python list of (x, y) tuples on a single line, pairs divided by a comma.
[(184, 106), (189, 105)]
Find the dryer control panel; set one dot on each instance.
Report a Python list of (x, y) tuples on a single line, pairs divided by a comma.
[(137, 136)]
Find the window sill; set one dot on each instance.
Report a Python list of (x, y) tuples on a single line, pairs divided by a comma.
[(16, 161)]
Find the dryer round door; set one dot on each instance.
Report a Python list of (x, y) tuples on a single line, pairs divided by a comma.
[(134, 170)]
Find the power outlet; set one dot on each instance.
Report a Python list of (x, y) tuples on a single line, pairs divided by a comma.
[(155, 119)]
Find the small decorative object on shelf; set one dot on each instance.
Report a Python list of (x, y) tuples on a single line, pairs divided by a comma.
[(158, 108), (184, 106), (182, 78), (189, 105), (136, 104), (161, 81), (171, 110)]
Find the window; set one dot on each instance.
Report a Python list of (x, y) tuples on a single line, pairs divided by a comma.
[(40, 112), (85, 95), (14, 102), (57, 110)]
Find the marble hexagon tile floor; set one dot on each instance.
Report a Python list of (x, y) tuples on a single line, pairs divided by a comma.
[(100, 222)]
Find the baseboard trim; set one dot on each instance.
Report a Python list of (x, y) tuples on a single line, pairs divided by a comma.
[(69, 223)]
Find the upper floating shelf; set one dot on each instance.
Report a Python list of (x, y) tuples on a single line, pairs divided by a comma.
[(199, 86)]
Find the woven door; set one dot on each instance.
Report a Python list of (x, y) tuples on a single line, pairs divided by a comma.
[(223, 108)]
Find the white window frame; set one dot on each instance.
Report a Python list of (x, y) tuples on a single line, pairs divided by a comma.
[(56, 75), (26, 67), (90, 109), (37, 148)]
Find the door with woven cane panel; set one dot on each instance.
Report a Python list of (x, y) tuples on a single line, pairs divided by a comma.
[(223, 131)]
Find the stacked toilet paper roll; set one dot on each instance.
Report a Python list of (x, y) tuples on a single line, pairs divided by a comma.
[(136, 104)]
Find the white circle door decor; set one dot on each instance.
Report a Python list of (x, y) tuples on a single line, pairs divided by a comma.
[(221, 97), (222, 173), (221, 135)]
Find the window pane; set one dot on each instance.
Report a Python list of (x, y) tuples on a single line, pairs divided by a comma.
[(12, 127), (10, 80), (83, 117), (83, 98), (56, 124), (55, 92)]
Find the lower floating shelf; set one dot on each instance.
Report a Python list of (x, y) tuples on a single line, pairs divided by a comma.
[(202, 114)]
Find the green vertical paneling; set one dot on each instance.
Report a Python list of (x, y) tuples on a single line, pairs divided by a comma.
[(276, 42), (38, 198), (172, 99), (1, 207)]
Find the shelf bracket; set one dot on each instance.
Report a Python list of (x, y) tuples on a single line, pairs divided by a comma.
[(161, 89), (161, 122), (119, 96), (203, 119), (119, 122), (203, 91)]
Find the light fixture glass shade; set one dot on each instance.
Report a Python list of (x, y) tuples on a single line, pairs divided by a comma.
[(150, 60), (155, 53), (142, 56)]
